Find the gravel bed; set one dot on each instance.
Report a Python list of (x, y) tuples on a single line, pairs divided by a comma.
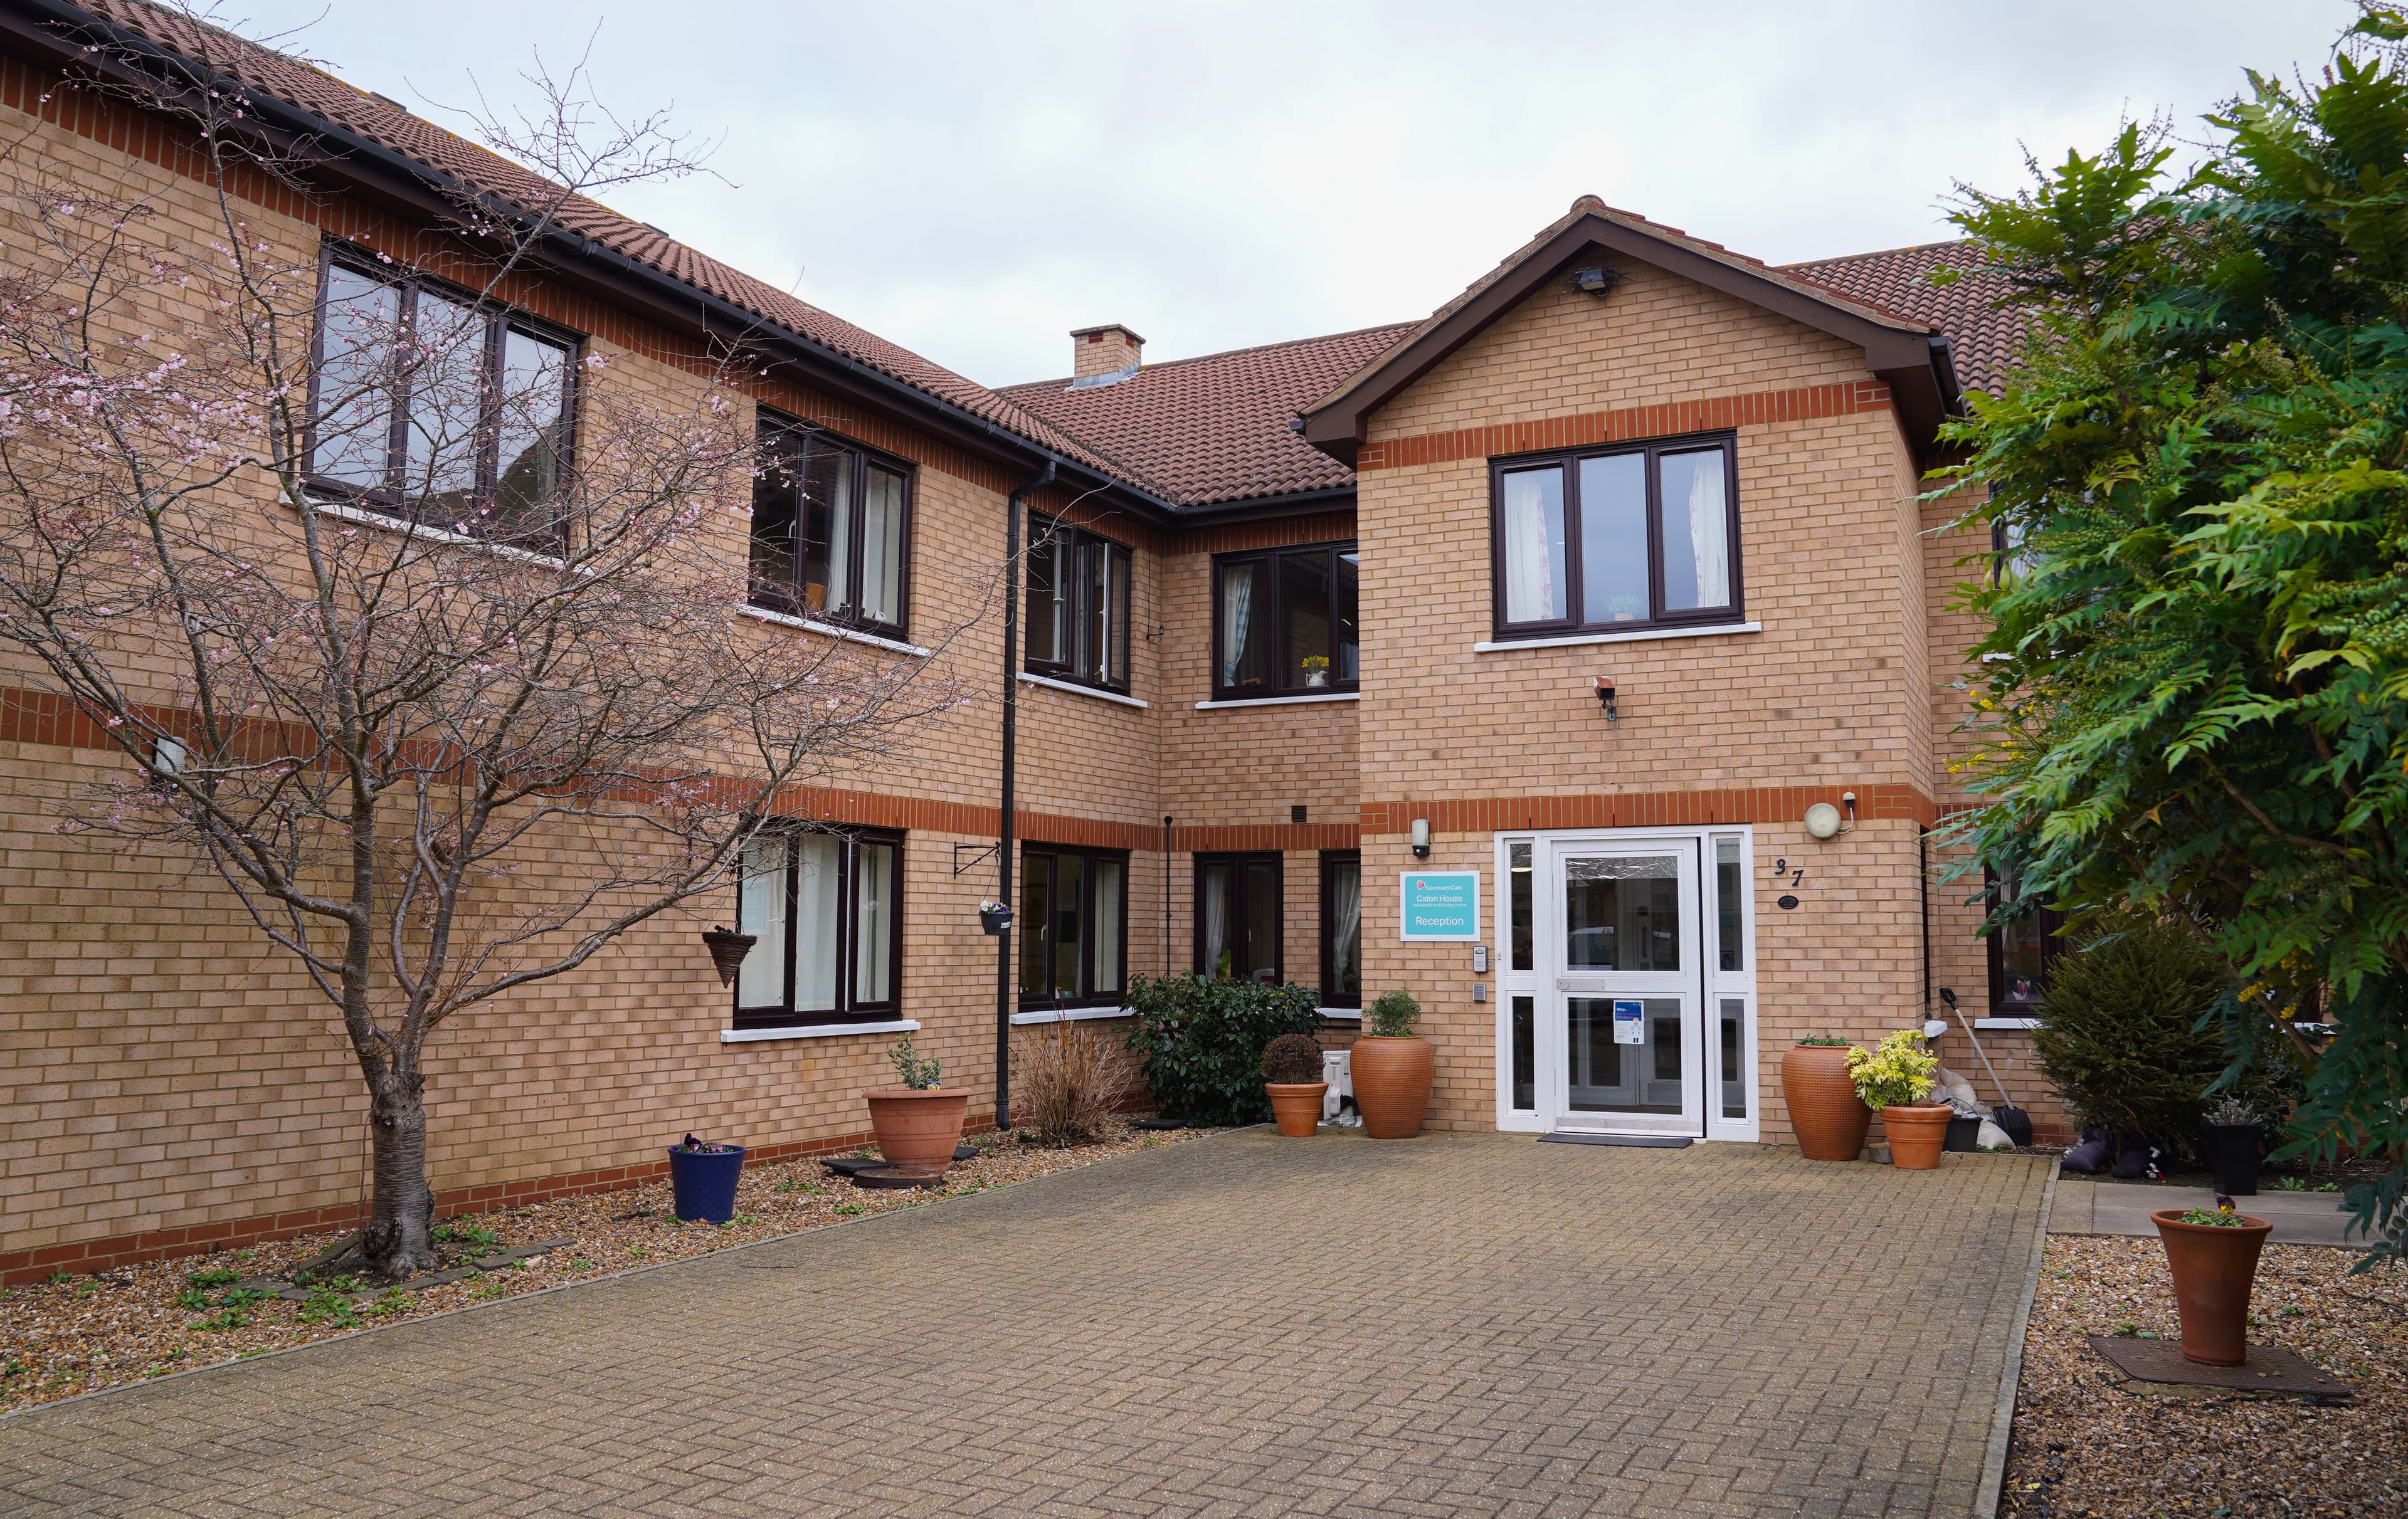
[(2083, 1445), (64, 1337)]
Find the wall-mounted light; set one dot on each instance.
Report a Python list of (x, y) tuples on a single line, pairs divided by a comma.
[(1604, 686), (1597, 280), (1824, 821), (1421, 838)]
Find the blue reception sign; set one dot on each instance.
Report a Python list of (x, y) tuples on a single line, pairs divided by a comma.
[(1440, 905)]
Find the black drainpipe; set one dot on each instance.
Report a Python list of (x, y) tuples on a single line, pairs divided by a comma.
[(1166, 894), (1011, 592), (1922, 896)]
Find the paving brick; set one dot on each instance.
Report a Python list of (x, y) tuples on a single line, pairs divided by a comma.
[(1462, 1325)]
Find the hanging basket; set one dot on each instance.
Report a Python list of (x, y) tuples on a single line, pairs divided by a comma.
[(727, 951), (995, 919)]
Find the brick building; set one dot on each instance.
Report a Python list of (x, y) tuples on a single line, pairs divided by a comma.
[(1317, 640)]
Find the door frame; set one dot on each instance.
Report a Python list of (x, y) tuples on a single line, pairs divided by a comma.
[(1711, 986)]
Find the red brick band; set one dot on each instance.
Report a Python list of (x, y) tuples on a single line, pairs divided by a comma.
[(1671, 419), (1642, 809)]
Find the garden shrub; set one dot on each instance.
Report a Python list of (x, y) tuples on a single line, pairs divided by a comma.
[(1066, 1083), (1203, 1042), (1292, 1060), (2120, 1033), (1392, 1015)]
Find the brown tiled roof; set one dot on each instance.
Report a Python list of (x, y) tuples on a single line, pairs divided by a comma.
[(1983, 336), (1215, 429), (274, 75)]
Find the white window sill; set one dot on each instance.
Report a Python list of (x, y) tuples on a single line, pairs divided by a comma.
[(816, 1031), (2007, 1023), (830, 630), (345, 511), (1341, 1016), (1278, 701), (1068, 1015), (1645, 634), (1075, 689)]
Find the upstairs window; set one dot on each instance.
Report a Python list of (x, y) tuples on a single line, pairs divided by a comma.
[(831, 530), (1078, 604), (431, 406), (1616, 540), (1287, 623), (825, 907)]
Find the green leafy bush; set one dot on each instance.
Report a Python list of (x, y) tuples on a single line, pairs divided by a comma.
[(2120, 1033), (1203, 1042), (920, 1072), (1392, 1015)]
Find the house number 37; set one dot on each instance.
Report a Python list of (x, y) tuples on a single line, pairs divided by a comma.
[(1782, 868)]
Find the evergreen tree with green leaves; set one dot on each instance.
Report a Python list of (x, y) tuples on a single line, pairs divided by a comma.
[(2195, 678)]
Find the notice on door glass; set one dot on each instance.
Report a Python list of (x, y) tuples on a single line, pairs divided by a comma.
[(1439, 905), (1629, 1021)]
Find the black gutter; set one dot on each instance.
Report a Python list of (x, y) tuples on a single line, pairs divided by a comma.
[(1011, 588), (285, 116)]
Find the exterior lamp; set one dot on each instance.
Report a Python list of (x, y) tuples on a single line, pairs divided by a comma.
[(1604, 686), (1822, 820), (1595, 280), (1421, 838)]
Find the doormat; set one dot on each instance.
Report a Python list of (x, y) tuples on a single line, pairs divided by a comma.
[(2268, 1370), (1634, 1142)]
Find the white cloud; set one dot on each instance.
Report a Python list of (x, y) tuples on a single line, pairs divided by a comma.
[(972, 181)]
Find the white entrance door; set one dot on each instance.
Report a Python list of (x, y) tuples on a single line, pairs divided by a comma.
[(1621, 1040)]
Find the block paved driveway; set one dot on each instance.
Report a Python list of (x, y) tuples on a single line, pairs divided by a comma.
[(1242, 1326)]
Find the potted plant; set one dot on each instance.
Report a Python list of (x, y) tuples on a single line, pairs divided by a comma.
[(1829, 1118), (1392, 1068), (918, 1124), (1293, 1079), (2213, 1253), (1895, 1076), (702, 1180), (1316, 669), (2229, 1139)]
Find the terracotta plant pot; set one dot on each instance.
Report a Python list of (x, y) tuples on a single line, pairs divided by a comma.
[(1831, 1119), (918, 1127), (2214, 1270), (1392, 1084), (1918, 1135), (1296, 1106)]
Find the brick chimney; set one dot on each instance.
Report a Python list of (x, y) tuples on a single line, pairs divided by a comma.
[(1100, 351)]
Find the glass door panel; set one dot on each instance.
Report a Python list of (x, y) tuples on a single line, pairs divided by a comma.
[(1628, 1051)]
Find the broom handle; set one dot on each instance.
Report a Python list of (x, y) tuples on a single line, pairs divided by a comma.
[(1985, 1056)]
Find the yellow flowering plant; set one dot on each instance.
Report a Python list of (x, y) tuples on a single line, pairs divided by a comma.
[(1898, 1074)]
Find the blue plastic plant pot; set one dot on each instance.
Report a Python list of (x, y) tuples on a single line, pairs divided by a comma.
[(705, 1183)]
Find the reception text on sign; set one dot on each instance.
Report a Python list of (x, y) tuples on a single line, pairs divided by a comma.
[(1440, 905)]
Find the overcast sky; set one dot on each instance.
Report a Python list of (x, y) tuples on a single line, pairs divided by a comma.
[(974, 181)]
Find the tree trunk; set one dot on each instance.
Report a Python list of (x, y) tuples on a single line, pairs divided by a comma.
[(397, 1240)]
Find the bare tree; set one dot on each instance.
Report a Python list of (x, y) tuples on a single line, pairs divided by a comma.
[(448, 697)]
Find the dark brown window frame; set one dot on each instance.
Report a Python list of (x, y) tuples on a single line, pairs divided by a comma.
[(772, 427), (847, 1010), (1571, 624), (389, 500), (2053, 944), (1239, 859), (1330, 996), (1094, 997), (1079, 543), (1270, 559)]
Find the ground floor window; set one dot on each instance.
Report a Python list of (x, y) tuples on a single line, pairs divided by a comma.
[(825, 910), (1074, 921), (1341, 928), (1238, 917), (2021, 948)]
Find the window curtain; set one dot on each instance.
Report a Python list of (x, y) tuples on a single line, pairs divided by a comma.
[(1237, 599), (817, 942), (1216, 919), (761, 910), (1534, 591), (1347, 890), (1709, 529)]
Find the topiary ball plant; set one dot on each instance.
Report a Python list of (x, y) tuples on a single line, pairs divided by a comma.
[(1392, 1015), (1292, 1060), (2120, 1033)]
